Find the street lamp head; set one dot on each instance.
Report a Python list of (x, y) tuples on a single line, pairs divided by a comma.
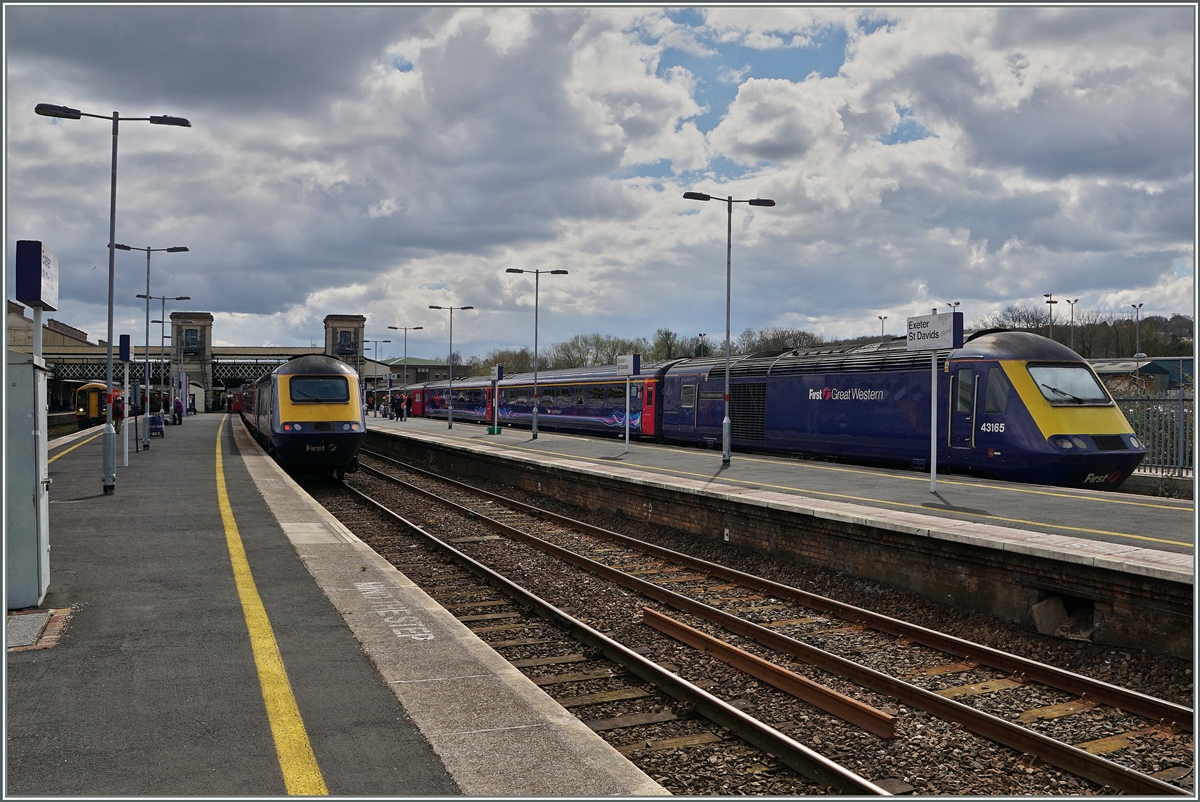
[(558, 272), (158, 321), (182, 122), (176, 249), (64, 112), (466, 307), (431, 306), (181, 298), (418, 328), (121, 247), (761, 202), (147, 297), (514, 270), (700, 196)]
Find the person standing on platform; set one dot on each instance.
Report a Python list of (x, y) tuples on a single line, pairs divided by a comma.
[(118, 413), (178, 411), (407, 406)]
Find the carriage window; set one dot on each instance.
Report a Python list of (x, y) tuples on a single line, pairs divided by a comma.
[(635, 392), (597, 396), (319, 389), (562, 397), (523, 396), (995, 398), (687, 398), (966, 389), (1068, 384), (577, 396)]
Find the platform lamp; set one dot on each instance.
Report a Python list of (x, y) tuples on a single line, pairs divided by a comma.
[(450, 362), (1137, 328), (162, 337), (1072, 305), (536, 275), (881, 319), (146, 354), (406, 330), (67, 113), (375, 371), (1050, 302), (726, 450)]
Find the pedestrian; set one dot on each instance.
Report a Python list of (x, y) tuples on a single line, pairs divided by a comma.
[(178, 412), (118, 413), (407, 406), (192, 405)]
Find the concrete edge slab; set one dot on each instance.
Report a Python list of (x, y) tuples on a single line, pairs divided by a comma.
[(545, 749)]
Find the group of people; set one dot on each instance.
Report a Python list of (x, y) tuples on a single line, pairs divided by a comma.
[(401, 407), (118, 412)]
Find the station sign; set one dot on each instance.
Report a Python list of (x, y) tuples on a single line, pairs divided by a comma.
[(932, 332), (497, 373), (37, 275), (630, 364)]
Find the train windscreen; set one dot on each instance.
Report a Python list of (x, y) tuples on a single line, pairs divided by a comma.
[(1068, 384), (319, 389)]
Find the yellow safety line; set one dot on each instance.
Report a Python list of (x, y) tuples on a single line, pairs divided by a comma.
[(921, 507), (77, 445), (301, 774)]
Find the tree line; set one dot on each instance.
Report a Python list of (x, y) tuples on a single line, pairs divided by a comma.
[(1096, 335)]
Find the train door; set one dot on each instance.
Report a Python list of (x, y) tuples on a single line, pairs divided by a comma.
[(487, 404), (964, 400), (687, 406), (648, 409)]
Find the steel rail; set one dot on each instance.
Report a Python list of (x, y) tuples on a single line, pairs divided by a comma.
[(799, 757), (1167, 713), (1066, 757)]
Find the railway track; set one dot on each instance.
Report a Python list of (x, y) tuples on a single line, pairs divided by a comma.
[(903, 704)]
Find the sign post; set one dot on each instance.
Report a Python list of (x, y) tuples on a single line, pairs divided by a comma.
[(631, 365), (497, 375), (931, 333)]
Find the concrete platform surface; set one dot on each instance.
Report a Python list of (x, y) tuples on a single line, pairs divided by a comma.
[(1149, 536), (158, 685)]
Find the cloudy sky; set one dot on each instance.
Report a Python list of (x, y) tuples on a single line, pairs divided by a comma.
[(378, 160)]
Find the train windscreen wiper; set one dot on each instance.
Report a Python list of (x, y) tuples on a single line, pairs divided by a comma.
[(307, 394), (1063, 393)]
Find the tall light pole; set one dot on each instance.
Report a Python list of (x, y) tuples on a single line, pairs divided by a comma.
[(406, 330), (536, 275), (450, 362), (1071, 304), (67, 113), (146, 353), (881, 319), (162, 337), (1050, 302), (375, 371), (1137, 329), (726, 449)]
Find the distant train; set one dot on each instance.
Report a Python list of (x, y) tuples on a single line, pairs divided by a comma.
[(91, 409), (1011, 405), (307, 414)]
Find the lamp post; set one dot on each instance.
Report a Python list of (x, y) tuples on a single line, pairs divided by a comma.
[(726, 450), (406, 330), (1071, 304), (881, 319), (162, 338), (146, 354), (536, 276), (1137, 328), (1050, 302), (67, 113), (375, 371), (450, 362)]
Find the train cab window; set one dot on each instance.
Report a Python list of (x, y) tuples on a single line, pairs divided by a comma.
[(597, 397), (1068, 384), (319, 389), (687, 396), (995, 397), (965, 390)]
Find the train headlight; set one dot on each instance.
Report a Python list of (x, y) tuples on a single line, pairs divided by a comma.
[(1133, 441), (1080, 443), (1062, 442)]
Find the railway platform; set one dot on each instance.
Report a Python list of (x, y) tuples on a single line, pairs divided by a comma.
[(998, 547), (209, 630)]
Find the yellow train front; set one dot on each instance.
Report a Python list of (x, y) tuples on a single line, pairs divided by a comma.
[(307, 414)]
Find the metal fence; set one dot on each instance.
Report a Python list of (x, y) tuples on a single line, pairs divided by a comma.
[(1165, 424)]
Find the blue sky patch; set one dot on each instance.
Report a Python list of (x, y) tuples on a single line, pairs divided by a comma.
[(907, 130), (402, 64)]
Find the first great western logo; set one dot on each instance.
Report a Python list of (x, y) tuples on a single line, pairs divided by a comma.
[(851, 394)]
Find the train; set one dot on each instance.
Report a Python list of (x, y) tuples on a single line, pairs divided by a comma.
[(91, 409), (1011, 405), (307, 414)]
